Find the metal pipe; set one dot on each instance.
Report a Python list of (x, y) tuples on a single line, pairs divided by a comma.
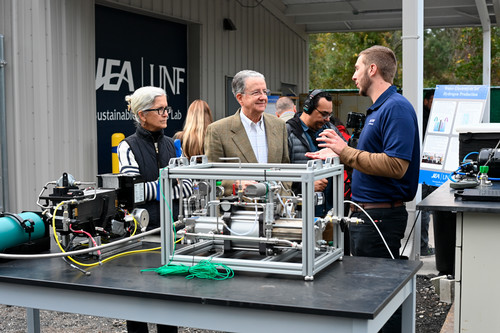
[(243, 238), (77, 252), (4, 185), (41, 192)]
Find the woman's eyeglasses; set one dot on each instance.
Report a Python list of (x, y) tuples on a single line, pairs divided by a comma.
[(161, 111)]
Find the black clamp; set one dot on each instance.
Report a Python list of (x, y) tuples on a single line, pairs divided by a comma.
[(28, 225)]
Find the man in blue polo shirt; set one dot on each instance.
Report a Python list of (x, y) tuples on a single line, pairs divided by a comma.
[(386, 161)]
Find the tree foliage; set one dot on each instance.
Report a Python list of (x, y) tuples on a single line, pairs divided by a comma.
[(332, 56), (451, 56)]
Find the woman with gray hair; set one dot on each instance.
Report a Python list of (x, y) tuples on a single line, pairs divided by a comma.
[(145, 152), (148, 150)]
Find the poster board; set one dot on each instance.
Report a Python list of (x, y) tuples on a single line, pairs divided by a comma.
[(453, 106), (132, 51)]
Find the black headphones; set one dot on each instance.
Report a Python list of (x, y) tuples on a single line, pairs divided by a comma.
[(309, 103)]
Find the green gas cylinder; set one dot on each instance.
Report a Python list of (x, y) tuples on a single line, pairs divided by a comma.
[(13, 234)]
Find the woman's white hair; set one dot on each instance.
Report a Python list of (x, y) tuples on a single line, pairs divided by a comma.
[(142, 99)]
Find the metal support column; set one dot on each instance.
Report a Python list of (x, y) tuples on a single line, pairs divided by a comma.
[(413, 79), (485, 23), (33, 320), (3, 134)]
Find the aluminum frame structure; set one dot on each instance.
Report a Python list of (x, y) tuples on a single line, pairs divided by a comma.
[(311, 260)]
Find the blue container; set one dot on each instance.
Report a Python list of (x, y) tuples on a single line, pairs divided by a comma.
[(13, 234)]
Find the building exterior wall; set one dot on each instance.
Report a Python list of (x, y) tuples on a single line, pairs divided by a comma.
[(50, 74), (50, 94), (264, 40)]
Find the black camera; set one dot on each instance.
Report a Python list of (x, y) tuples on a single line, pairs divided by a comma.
[(356, 121)]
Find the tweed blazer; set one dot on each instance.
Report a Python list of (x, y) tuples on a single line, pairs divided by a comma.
[(227, 138)]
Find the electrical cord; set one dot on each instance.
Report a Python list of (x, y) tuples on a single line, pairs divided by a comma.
[(96, 248), (59, 244), (471, 153), (89, 236), (124, 211), (452, 175), (77, 252), (55, 233), (67, 254), (411, 231), (373, 222)]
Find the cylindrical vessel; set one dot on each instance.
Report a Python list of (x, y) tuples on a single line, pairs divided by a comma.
[(116, 138), (244, 224), (13, 234)]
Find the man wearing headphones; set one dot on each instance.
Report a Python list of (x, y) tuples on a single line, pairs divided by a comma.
[(303, 129)]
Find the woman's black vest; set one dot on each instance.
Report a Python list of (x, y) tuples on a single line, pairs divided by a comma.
[(150, 161)]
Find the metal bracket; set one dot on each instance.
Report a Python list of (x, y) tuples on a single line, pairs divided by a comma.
[(176, 162), (195, 160), (314, 165)]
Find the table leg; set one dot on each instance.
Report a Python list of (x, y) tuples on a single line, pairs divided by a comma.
[(409, 308), (33, 320)]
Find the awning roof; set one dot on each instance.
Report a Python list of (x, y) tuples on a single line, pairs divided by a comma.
[(383, 15)]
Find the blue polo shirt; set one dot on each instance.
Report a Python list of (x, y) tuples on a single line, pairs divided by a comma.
[(391, 127)]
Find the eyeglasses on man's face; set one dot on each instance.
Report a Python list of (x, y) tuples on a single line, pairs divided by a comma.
[(325, 114), (161, 111), (257, 93)]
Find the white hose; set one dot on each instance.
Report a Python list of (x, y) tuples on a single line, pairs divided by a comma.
[(72, 253), (373, 222)]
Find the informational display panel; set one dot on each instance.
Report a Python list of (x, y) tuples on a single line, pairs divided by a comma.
[(453, 107), (133, 51)]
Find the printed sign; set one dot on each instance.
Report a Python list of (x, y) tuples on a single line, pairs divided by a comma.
[(453, 107), (133, 51)]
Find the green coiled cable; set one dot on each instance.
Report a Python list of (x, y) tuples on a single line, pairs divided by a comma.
[(205, 269)]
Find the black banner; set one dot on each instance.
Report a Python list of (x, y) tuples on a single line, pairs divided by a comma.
[(133, 51)]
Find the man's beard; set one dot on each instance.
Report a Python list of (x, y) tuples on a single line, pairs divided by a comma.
[(364, 84)]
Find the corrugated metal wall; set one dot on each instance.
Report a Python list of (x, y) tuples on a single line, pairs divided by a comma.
[(50, 88), (264, 40), (50, 94)]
